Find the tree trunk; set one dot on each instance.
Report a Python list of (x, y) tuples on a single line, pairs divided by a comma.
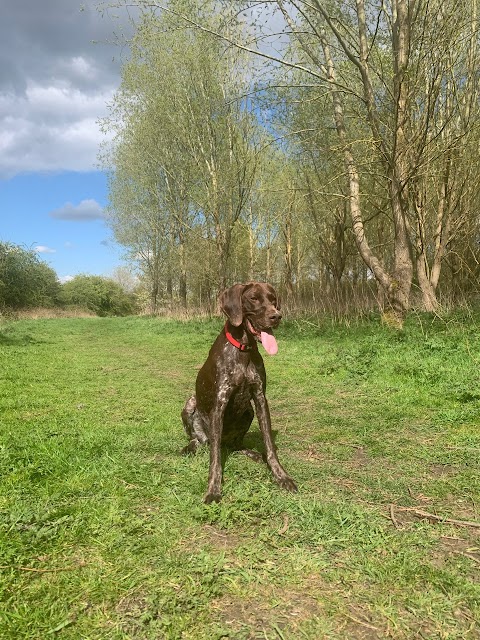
[(340, 250), (154, 296), (288, 272), (399, 291), (396, 287), (251, 244)]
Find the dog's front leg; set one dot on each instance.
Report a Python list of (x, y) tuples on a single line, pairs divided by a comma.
[(214, 489), (263, 416)]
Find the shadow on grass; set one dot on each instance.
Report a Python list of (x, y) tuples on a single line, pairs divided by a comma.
[(17, 341), (252, 441)]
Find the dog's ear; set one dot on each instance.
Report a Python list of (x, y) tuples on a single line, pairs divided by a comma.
[(231, 304)]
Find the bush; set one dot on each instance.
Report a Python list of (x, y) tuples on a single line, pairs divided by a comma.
[(101, 295), (25, 281)]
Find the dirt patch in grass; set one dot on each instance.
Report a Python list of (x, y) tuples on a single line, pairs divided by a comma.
[(346, 484), (219, 539), (311, 454), (132, 605), (284, 610), (453, 546), (440, 471), (358, 625), (133, 611), (359, 458), (212, 538)]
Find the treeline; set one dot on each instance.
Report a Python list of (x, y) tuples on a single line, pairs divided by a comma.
[(337, 160), (26, 282)]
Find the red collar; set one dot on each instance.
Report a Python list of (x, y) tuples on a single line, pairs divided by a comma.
[(236, 343)]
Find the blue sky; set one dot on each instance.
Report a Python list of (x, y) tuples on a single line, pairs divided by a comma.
[(55, 85), (61, 216)]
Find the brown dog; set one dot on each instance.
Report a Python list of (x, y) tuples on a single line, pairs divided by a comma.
[(221, 412)]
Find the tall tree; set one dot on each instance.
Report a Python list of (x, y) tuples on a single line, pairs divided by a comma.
[(183, 157)]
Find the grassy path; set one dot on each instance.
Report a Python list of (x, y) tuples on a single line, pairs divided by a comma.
[(103, 534)]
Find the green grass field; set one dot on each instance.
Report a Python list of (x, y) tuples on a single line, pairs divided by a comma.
[(103, 533)]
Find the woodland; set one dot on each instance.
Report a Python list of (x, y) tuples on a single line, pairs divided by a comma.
[(329, 148)]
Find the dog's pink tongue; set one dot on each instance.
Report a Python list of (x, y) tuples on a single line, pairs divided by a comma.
[(269, 343)]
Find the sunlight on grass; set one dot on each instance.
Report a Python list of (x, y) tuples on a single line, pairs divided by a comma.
[(103, 533)]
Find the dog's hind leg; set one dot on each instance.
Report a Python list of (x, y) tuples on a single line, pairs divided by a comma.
[(193, 425)]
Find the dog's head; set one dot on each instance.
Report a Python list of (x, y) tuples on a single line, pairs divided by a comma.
[(256, 306)]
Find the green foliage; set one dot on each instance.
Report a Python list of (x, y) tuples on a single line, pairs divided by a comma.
[(184, 157), (103, 533), (231, 160), (101, 295), (25, 281)]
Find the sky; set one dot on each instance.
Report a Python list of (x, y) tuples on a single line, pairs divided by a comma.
[(59, 69)]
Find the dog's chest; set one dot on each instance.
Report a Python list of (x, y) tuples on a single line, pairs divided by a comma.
[(240, 378)]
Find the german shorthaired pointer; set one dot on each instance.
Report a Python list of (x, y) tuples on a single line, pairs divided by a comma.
[(221, 412)]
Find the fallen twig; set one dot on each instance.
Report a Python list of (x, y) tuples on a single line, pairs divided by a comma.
[(419, 496), (350, 444), (392, 517), (468, 555), (215, 532), (431, 516), (128, 485), (364, 624), (284, 529)]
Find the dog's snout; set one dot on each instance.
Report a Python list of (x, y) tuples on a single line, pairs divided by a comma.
[(276, 316)]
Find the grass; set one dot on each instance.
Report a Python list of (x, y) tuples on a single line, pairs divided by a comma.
[(103, 533)]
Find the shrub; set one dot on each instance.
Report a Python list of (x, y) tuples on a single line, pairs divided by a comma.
[(25, 281), (101, 295)]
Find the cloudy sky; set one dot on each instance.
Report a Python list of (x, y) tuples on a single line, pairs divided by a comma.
[(57, 74)]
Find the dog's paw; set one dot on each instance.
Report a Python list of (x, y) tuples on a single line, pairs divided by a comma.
[(212, 497), (191, 448), (288, 484)]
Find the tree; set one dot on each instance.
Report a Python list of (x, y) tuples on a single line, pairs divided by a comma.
[(183, 160), (25, 281), (444, 134)]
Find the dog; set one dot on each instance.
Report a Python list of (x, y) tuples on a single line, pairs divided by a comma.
[(221, 412)]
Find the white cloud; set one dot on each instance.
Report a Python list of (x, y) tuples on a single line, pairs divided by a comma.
[(85, 211), (43, 249), (50, 128), (58, 71), (64, 279), (82, 67)]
